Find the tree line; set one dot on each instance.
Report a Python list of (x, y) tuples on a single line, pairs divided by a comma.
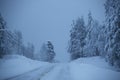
[(11, 42), (86, 40), (95, 39)]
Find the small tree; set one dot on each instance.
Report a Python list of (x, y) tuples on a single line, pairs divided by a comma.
[(47, 52), (18, 42), (29, 51)]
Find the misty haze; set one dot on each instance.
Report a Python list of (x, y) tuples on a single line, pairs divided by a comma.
[(59, 39)]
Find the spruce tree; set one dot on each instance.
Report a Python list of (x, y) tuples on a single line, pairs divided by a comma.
[(2, 36), (112, 8), (92, 43), (77, 39), (47, 52)]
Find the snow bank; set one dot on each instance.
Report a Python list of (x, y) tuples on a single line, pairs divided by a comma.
[(92, 68), (96, 61), (12, 65), (89, 72)]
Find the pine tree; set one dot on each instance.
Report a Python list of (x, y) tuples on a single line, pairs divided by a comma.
[(18, 40), (47, 52), (51, 51), (112, 47), (93, 29), (2, 36), (77, 39), (101, 41), (29, 51)]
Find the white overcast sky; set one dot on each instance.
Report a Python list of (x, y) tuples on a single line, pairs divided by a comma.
[(42, 20)]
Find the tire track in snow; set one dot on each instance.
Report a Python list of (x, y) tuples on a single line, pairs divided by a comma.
[(33, 74), (60, 72)]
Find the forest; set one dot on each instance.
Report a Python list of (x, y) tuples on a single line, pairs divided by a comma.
[(87, 39)]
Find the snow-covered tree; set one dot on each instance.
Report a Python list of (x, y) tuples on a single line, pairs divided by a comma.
[(77, 39), (101, 41), (23, 50), (47, 52), (2, 36), (93, 29), (5, 38), (29, 51), (112, 47), (11, 42), (18, 42)]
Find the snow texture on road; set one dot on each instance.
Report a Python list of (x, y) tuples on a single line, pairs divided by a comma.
[(33, 75), (77, 71), (90, 72), (60, 72), (93, 68), (15, 65)]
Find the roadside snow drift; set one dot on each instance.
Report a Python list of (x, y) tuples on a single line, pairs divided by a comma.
[(92, 68), (13, 65), (90, 72)]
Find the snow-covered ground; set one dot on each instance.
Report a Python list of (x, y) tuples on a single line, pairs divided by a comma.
[(93, 68), (60, 72), (96, 61), (21, 68), (14, 65)]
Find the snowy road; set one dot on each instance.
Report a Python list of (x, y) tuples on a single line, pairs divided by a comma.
[(69, 71), (77, 71), (35, 74), (53, 72), (60, 72), (82, 69)]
